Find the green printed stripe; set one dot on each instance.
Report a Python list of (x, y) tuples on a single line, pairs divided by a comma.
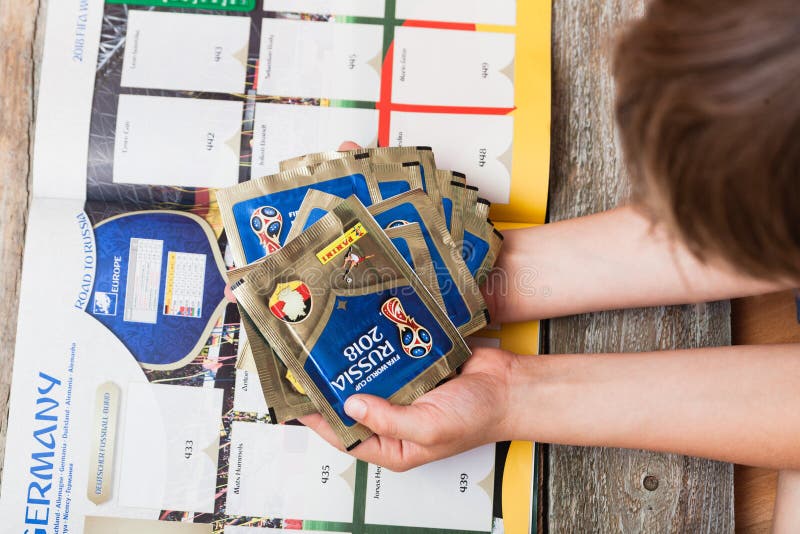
[(217, 5), (328, 526), (353, 104), (360, 507)]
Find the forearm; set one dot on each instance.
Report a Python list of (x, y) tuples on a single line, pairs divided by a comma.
[(614, 259), (736, 404)]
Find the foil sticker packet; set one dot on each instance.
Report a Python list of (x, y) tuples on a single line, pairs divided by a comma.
[(463, 301), (480, 247), (421, 154), (407, 238), (344, 328), (397, 178), (458, 192), (451, 185), (285, 398), (482, 208), (257, 214)]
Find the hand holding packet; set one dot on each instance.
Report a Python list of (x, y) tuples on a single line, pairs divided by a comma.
[(346, 314), (285, 397), (463, 301)]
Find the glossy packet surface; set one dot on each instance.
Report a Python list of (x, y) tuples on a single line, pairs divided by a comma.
[(482, 208), (451, 185), (463, 301), (480, 247), (458, 193), (285, 401), (405, 154), (397, 178), (257, 214), (345, 328), (407, 239)]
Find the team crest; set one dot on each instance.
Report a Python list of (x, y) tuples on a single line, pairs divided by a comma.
[(291, 301), (266, 222), (415, 339)]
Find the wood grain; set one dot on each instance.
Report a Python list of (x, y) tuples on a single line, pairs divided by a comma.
[(593, 490), (18, 50)]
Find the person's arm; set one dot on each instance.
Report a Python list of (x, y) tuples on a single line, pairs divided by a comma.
[(615, 259), (735, 404), (786, 515)]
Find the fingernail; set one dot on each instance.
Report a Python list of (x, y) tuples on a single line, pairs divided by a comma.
[(355, 408)]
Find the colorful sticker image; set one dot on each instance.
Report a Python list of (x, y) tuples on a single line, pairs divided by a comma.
[(159, 284), (415, 339), (291, 301), (266, 222)]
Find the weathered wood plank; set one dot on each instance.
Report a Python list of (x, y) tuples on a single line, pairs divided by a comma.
[(18, 58), (603, 490)]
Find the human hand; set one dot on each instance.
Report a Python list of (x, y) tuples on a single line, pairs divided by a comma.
[(465, 412)]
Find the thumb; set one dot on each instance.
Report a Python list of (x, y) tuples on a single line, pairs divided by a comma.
[(412, 423), (349, 145)]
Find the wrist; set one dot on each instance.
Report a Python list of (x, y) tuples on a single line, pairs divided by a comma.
[(537, 387)]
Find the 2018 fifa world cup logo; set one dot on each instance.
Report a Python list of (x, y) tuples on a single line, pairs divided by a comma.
[(415, 339), (266, 222)]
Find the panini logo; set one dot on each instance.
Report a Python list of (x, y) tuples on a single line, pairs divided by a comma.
[(341, 244)]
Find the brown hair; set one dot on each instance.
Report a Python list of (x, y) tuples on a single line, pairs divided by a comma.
[(708, 107)]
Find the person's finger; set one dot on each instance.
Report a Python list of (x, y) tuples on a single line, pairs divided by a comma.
[(349, 145), (229, 294), (394, 454), (413, 423)]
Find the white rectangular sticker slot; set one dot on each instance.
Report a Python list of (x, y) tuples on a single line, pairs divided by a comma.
[(313, 128), (144, 280), (309, 59), (175, 467), (247, 395), (185, 52), (453, 68), (454, 493), (500, 12), (177, 141), (288, 471), (478, 145), (355, 8)]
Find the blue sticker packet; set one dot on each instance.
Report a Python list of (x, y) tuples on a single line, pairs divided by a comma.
[(397, 178), (463, 301), (423, 155), (480, 246), (258, 214), (452, 185), (346, 314), (285, 400)]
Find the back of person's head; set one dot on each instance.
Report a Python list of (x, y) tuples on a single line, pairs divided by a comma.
[(708, 108)]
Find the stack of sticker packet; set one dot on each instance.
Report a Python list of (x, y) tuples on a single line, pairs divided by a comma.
[(357, 272)]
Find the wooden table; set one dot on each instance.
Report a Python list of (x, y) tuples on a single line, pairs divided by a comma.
[(608, 490), (585, 489)]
